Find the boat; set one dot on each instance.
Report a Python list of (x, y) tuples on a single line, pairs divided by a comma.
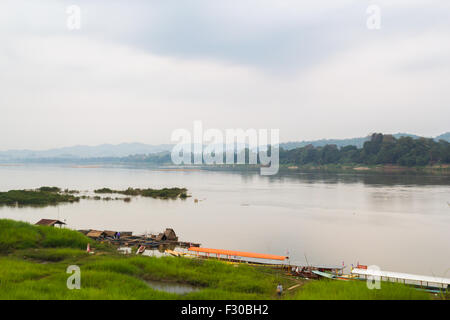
[(175, 253), (140, 250)]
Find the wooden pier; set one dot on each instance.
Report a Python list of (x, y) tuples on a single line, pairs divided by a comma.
[(168, 238)]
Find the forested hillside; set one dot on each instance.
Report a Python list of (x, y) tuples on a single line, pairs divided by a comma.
[(380, 149)]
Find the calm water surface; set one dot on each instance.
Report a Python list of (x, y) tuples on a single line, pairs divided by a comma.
[(400, 223)]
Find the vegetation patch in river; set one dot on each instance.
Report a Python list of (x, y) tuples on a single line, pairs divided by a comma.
[(46, 196), (43, 196), (165, 193)]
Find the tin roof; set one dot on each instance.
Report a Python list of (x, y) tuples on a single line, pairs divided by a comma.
[(95, 233), (110, 233), (402, 276), (48, 222), (329, 267), (238, 253)]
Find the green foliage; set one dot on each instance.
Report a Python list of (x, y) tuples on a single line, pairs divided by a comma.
[(357, 290), (380, 149), (165, 193), (104, 190), (50, 189), (53, 254), (21, 235), (109, 275), (35, 197)]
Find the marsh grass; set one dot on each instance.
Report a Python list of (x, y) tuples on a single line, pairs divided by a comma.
[(122, 277), (165, 193), (46, 196), (21, 235), (34, 260), (53, 254), (357, 290)]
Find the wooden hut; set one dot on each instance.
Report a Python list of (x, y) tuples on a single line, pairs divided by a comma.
[(50, 223), (96, 234), (169, 234), (111, 234)]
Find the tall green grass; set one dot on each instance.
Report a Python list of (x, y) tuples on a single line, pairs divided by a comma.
[(34, 259), (165, 193), (22, 235), (53, 254), (122, 277), (357, 290), (205, 274), (42, 197)]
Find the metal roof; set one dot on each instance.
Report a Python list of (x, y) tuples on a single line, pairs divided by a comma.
[(324, 274), (48, 222), (402, 276), (331, 267), (238, 253), (95, 233)]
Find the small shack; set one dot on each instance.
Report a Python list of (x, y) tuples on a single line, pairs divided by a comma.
[(96, 234), (49, 222), (169, 234), (111, 234)]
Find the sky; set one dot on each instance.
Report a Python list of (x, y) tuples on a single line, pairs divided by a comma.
[(135, 71)]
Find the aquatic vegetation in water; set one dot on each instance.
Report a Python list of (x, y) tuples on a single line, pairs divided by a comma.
[(43, 196), (165, 193)]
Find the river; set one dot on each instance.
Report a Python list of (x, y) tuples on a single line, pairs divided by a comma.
[(397, 222)]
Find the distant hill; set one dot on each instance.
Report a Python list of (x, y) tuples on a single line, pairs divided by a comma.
[(445, 136), (358, 142), (133, 149), (79, 152)]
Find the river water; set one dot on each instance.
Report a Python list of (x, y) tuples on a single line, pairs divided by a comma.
[(397, 222)]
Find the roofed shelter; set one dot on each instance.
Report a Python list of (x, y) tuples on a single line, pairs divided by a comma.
[(110, 233), (229, 253), (407, 278), (49, 222), (169, 234), (95, 234)]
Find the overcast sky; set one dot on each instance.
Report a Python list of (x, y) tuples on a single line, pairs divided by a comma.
[(137, 70)]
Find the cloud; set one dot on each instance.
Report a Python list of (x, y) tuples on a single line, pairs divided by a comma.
[(138, 70)]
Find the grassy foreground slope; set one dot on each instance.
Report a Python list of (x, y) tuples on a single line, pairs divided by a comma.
[(34, 260), (357, 290)]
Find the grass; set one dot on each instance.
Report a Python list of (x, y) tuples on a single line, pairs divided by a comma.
[(21, 235), (124, 277), (357, 290), (34, 260), (52, 254)]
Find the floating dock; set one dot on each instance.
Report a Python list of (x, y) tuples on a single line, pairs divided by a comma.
[(406, 278), (127, 239)]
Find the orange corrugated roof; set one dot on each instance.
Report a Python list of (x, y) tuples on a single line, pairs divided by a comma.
[(238, 253)]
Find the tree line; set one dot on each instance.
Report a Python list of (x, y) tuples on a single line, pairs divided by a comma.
[(380, 149)]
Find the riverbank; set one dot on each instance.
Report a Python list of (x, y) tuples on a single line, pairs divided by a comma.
[(358, 168), (34, 260), (443, 170)]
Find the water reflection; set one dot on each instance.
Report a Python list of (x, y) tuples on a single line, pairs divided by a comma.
[(171, 287), (372, 179)]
